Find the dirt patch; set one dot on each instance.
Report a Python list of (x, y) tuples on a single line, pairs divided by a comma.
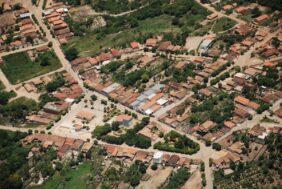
[(192, 43), (157, 179), (195, 181)]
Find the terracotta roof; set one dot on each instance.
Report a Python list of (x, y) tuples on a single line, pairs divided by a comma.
[(151, 42), (124, 117), (134, 45)]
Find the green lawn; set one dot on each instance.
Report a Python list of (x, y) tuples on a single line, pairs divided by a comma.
[(223, 24), (88, 45), (74, 179), (19, 67)]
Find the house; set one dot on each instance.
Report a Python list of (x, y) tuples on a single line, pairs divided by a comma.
[(152, 42), (174, 159), (207, 125), (261, 19), (157, 157), (134, 45), (246, 102), (124, 119), (242, 10), (237, 147), (163, 46), (240, 78), (229, 124), (222, 159), (55, 107), (241, 113), (243, 29), (227, 7), (85, 115), (38, 119)]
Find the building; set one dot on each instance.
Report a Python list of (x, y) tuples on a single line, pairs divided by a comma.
[(157, 157), (124, 119)]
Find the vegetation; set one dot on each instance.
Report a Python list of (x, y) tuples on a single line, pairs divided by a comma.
[(135, 172), (13, 166), (16, 111), (70, 175), (2, 87), (55, 84), (157, 18), (19, 67), (131, 137), (264, 173), (5, 97), (175, 142), (218, 109), (178, 179)]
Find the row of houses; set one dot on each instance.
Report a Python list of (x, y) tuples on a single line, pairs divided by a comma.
[(66, 95), (128, 153), (19, 26), (65, 147), (55, 18)]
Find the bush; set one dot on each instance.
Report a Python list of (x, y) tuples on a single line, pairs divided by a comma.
[(154, 166), (216, 146)]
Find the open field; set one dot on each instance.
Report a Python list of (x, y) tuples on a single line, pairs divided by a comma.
[(19, 67), (73, 179), (88, 45)]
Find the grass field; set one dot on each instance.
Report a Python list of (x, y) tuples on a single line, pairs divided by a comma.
[(223, 24), (88, 45), (74, 179), (19, 67)]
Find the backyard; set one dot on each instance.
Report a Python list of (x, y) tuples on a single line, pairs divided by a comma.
[(19, 67)]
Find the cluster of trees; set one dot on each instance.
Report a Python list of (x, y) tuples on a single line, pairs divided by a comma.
[(45, 98), (181, 144), (17, 110), (221, 77), (5, 97), (54, 85), (13, 166), (111, 67), (270, 79), (132, 78), (180, 75), (135, 173), (71, 54), (178, 179), (131, 137), (218, 108)]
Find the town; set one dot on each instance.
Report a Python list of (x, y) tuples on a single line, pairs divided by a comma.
[(140, 94)]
